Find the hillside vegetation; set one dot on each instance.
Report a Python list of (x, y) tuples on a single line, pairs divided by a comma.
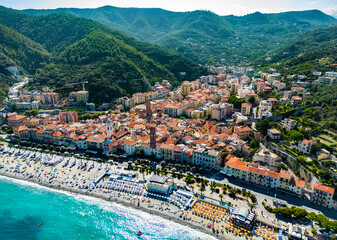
[(314, 50), (70, 49), (202, 35)]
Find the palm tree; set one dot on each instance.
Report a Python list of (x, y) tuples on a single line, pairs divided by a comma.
[(252, 206), (220, 196), (202, 188)]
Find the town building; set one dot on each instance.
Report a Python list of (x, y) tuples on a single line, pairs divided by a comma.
[(305, 145), (266, 157), (82, 97), (160, 185), (274, 134), (323, 195), (130, 147), (284, 180), (174, 110), (68, 117), (246, 108), (289, 124), (206, 158), (16, 120)]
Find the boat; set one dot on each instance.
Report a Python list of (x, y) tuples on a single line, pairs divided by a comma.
[(139, 233), (39, 224)]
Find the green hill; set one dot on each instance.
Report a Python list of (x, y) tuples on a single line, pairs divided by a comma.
[(314, 50), (16, 49), (81, 49), (202, 35)]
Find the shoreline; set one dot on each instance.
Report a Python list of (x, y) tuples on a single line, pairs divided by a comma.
[(118, 201)]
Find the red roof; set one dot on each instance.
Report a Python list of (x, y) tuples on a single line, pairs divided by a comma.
[(129, 142), (237, 163), (284, 174), (144, 138), (168, 146), (16, 117), (324, 188), (57, 133), (298, 183), (20, 128)]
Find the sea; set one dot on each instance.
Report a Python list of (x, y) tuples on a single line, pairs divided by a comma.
[(33, 212)]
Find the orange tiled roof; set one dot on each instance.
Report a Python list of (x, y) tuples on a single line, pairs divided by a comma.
[(57, 133), (284, 174), (298, 183), (324, 188), (20, 128), (16, 117), (168, 146), (129, 142), (237, 163)]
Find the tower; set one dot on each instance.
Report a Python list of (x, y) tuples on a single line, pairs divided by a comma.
[(152, 137), (148, 108), (109, 128)]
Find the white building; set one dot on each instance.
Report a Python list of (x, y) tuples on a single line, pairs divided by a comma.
[(305, 145), (148, 151), (274, 134), (289, 123), (267, 157), (160, 184), (130, 147), (206, 158), (272, 179), (296, 186), (174, 110)]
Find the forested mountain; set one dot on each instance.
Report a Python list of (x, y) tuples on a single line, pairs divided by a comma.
[(314, 50), (203, 35), (61, 48), (20, 50)]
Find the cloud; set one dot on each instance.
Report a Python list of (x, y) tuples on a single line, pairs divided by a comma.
[(331, 10), (314, 3)]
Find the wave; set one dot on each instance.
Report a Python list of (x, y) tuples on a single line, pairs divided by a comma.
[(112, 207)]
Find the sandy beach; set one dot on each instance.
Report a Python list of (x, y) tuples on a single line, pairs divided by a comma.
[(69, 174)]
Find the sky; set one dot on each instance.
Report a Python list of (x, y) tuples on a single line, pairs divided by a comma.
[(221, 7)]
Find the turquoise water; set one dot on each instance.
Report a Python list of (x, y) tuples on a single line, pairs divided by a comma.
[(24, 205)]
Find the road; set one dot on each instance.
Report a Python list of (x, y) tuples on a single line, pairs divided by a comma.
[(268, 194)]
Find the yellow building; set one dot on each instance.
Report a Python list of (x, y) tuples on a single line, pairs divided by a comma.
[(138, 98), (246, 108), (284, 180), (237, 168), (197, 114), (207, 111), (186, 88), (167, 151), (20, 131)]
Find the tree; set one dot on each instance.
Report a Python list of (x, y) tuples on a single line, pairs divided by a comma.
[(252, 206), (251, 100), (315, 148), (30, 113), (263, 126), (295, 135), (220, 196), (237, 102), (202, 189), (314, 231)]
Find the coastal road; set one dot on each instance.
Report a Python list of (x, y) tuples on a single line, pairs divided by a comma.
[(268, 194)]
